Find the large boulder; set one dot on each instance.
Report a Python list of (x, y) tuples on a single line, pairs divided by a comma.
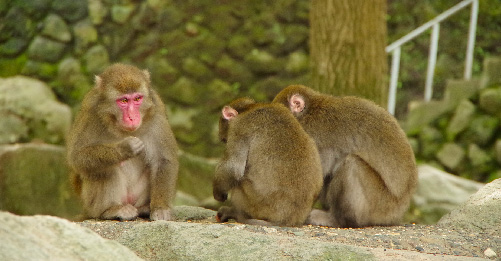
[(481, 212), (191, 241), (51, 238), (30, 111), (438, 193), (34, 180)]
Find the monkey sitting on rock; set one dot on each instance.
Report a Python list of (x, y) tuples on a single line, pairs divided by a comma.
[(121, 150), (369, 169), (271, 167)]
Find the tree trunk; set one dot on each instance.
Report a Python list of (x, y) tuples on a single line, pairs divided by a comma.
[(348, 38)]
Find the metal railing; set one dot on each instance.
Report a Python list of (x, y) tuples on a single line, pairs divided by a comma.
[(434, 24)]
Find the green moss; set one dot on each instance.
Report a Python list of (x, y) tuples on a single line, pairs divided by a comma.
[(11, 67)]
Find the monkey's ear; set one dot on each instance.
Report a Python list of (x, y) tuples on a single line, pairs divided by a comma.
[(229, 113), (296, 103), (99, 81), (147, 74)]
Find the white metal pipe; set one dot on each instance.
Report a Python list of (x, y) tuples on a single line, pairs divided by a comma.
[(395, 67), (428, 25), (471, 40), (432, 60)]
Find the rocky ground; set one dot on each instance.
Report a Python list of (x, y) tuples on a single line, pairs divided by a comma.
[(435, 240)]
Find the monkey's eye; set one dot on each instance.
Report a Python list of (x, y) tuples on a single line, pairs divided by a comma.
[(123, 100), (138, 98)]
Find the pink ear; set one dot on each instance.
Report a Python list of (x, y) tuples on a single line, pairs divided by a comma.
[(296, 103), (229, 113)]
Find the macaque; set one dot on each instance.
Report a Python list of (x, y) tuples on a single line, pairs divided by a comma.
[(121, 149), (368, 165), (270, 167)]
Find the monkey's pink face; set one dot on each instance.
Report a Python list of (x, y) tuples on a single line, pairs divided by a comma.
[(131, 115)]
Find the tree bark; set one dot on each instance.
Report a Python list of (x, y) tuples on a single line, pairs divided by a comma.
[(347, 41)]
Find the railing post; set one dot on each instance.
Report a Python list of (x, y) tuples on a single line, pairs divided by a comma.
[(432, 60), (395, 67), (471, 40)]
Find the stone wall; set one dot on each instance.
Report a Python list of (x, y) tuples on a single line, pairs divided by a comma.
[(201, 54), (461, 133)]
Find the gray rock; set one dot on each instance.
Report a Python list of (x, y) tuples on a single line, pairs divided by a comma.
[(189, 241), (85, 35), (481, 212), (70, 10), (44, 49), (490, 74), (34, 180), (121, 13), (184, 213), (97, 59), (32, 103), (462, 117), (439, 192), (451, 155), (423, 114), (97, 11), (477, 156), (51, 238), (458, 90), (55, 27), (482, 129), (490, 101)]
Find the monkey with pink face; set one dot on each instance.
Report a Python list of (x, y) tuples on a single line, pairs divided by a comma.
[(121, 150)]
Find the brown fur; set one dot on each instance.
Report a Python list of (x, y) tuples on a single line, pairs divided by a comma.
[(118, 173), (368, 165), (270, 165)]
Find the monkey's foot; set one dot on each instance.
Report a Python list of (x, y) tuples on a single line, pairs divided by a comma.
[(161, 214), (319, 217), (121, 212), (144, 211), (224, 214)]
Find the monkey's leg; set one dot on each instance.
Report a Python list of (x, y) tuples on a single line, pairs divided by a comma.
[(358, 197), (122, 212), (106, 199)]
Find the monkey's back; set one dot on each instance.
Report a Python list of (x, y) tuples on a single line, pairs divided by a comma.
[(283, 172), (361, 127)]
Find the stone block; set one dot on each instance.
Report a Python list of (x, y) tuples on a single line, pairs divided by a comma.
[(34, 180), (32, 103), (56, 28), (491, 75), (451, 155), (490, 101), (461, 119), (423, 114), (458, 90), (477, 156)]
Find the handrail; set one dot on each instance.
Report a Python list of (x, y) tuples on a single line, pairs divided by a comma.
[(395, 50)]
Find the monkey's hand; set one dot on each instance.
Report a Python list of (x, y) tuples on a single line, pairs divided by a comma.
[(161, 214), (219, 195), (131, 147)]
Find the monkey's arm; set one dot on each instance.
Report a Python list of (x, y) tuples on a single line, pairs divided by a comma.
[(231, 168), (93, 159)]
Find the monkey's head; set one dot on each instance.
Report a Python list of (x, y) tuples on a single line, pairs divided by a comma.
[(125, 98), (296, 98), (229, 112)]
